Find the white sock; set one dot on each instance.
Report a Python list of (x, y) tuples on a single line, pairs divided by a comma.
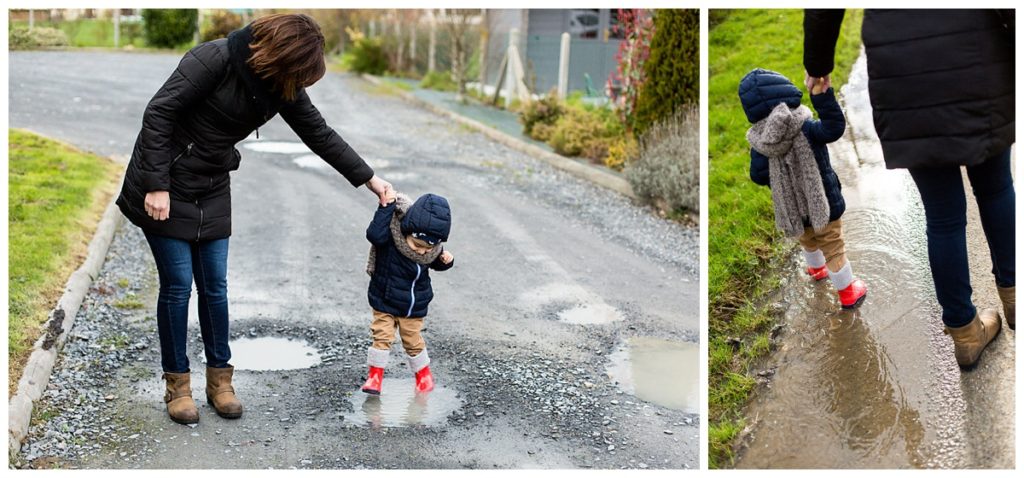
[(377, 358), (814, 258), (419, 361), (842, 278)]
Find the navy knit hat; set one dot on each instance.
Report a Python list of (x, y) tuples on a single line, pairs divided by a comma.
[(428, 219), (761, 90)]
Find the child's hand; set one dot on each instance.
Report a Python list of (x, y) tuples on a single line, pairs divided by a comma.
[(390, 196), (447, 257)]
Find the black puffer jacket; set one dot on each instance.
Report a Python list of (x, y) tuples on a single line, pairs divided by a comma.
[(190, 128), (399, 286), (941, 81)]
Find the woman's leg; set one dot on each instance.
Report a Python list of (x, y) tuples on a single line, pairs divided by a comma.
[(174, 268), (210, 267), (992, 183), (945, 210)]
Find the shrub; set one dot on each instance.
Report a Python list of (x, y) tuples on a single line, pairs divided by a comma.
[(169, 28), (636, 27), (667, 170), (585, 131), (539, 117), (366, 56), (621, 152), (39, 37), (672, 71), (222, 22), (438, 80)]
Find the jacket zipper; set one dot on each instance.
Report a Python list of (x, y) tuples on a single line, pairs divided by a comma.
[(188, 150), (412, 291), (199, 232)]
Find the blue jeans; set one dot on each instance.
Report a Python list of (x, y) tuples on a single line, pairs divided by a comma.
[(945, 209), (177, 263)]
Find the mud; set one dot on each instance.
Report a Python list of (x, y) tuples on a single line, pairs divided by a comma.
[(879, 387)]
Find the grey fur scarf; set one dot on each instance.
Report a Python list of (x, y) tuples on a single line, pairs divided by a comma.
[(402, 203), (797, 190)]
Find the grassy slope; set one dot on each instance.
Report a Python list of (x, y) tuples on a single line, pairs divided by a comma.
[(56, 196), (743, 246)]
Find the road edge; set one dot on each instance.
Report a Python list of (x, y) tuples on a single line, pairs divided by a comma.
[(36, 374), (597, 176)]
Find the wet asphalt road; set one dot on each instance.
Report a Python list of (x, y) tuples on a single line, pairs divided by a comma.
[(526, 388), (879, 388)]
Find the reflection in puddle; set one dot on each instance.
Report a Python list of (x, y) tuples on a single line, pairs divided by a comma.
[(279, 147), (272, 353), (399, 406), (590, 314), (659, 371)]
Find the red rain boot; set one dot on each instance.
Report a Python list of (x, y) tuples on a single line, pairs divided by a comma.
[(374, 380), (817, 273), (853, 295), (424, 380)]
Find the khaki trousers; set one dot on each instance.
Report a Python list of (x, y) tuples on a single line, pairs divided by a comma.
[(830, 241), (383, 331)]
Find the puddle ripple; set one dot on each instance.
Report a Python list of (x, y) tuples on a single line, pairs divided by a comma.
[(399, 406), (659, 371)]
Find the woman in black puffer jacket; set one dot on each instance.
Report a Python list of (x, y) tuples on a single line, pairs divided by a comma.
[(177, 186), (941, 84)]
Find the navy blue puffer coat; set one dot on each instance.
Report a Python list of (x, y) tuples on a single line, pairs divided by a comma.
[(760, 91), (400, 286)]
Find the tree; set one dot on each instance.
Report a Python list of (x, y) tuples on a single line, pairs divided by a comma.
[(169, 28), (457, 21), (672, 72)]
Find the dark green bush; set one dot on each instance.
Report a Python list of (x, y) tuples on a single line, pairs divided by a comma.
[(169, 28), (672, 71), (366, 56)]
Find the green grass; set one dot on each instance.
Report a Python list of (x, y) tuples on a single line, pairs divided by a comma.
[(130, 302), (56, 196), (93, 32), (744, 249)]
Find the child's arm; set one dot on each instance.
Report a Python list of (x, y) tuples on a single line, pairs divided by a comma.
[(831, 124), (379, 230), (759, 168), (443, 262)]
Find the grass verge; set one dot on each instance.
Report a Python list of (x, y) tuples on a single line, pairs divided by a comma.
[(744, 250), (56, 197)]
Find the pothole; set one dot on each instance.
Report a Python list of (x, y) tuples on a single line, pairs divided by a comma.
[(272, 353), (310, 161), (400, 406), (659, 371), (278, 147), (588, 314)]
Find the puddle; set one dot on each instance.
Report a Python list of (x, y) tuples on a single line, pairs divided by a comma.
[(658, 371), (310, 161), (279, 147), (272, 353), (590, 314), (399, 406)]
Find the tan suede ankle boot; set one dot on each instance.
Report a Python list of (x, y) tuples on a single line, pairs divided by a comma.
[(221, 394), (180, 406), (1007, 295), (971, 339)]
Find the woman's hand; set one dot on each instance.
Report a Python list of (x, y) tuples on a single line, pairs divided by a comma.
[(380, 187), (817, 85), (158, 205)]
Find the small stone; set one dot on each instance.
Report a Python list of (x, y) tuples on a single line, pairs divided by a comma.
[(643, 465), (669, 432), (611, 447), (110, 397), (478, 414)]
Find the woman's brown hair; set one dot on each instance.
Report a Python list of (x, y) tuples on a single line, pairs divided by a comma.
[(287, 51)]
